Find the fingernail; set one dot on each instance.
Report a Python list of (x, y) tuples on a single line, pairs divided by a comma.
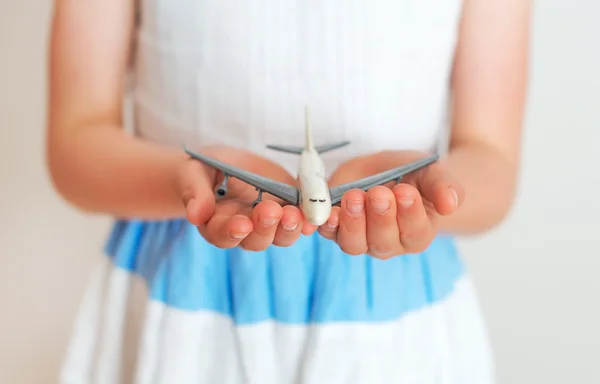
[(289, 227), (331, 223), (267, 221), (406, 202), (455, 197), (380, 205), (354, 208), (238, 235)]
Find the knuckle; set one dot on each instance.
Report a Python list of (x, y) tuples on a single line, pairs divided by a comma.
[(282, 241), (414, 244), (218, 242), (252, 246), (354, 250), (383, 253)]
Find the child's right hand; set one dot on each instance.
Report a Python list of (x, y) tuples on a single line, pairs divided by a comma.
[(231, 221)]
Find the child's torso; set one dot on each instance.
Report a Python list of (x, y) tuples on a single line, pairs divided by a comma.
[(239, 73)]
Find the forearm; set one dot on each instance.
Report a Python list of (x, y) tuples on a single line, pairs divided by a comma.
[(489, 180), (105, 170)]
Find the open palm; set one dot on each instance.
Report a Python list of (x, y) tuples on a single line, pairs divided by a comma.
[(391, 220), (230, 220)]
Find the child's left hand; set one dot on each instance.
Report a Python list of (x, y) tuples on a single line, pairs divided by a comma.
[(391, 220)]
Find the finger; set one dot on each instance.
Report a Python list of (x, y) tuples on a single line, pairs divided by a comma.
[(440, 188), (383, 238), (414, 225), (226, 230), (195, 186), (265, 217), (352, 236), (329, 230), (290, 227), (308, 228), (198, 211)]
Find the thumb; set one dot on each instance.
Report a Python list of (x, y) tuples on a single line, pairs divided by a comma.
[(196, 188), (438, 186)]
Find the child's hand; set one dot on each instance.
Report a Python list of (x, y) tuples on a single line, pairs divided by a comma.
[(394, 219), (231, 221)]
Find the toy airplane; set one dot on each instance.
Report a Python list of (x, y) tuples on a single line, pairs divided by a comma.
[(313, 196)]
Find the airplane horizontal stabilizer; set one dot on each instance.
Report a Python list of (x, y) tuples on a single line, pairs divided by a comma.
[(298, 150), (331, 146), (286, 149)]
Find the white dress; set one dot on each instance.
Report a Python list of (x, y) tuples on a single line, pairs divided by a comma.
[(166, 307)]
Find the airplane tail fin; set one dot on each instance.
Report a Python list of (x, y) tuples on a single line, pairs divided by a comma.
[(309, 139)]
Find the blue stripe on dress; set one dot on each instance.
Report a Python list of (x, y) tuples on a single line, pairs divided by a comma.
[(311, 281)]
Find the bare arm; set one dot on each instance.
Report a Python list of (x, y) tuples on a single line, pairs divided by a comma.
[(98, 167), (94, 164), (489, 81)]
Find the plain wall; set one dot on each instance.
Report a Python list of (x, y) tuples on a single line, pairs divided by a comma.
[(537, 273)]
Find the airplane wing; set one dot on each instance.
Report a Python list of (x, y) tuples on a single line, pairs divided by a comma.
[(379, 179), (283, 191)]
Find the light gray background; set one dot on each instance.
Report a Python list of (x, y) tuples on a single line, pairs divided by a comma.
[(538, 274)]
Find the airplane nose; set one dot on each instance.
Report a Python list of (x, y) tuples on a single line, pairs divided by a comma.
[(318, 221), (319, 218)]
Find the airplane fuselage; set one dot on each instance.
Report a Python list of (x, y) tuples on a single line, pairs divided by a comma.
[(315, 200)]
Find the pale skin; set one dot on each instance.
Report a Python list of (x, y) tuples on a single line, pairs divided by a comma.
[(96, 166)]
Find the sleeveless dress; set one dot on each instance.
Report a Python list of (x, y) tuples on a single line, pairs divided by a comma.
[(166, 307)]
